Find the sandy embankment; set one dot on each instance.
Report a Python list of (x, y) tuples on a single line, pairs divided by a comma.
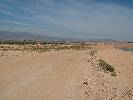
[(60, 75)]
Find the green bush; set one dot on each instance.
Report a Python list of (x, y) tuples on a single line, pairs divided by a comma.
[(106, 67)]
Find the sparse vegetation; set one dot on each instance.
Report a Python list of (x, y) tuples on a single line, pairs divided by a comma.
[(43, 49), (61, 48), (90, 71), (76, 47), (92, 53), (106, 67), (113, 73)]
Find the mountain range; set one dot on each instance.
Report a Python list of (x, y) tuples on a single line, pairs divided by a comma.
[(8, 35)]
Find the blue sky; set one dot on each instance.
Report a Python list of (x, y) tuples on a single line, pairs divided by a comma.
[(69, 18)]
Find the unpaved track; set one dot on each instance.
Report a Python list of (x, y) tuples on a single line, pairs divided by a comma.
[(46, 76), (60, 76)]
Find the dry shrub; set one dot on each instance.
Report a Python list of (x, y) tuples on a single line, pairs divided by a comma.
[(106, 67), (76, 47), (92, 53)]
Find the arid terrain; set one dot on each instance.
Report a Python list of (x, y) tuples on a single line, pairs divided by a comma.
[(98, 72)]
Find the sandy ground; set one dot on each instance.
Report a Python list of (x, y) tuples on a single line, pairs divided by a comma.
[(65, 75)]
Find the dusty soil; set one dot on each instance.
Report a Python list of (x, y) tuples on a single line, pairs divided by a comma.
[(65, 75)]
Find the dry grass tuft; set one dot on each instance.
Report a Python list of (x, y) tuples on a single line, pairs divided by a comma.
[(106, 67)]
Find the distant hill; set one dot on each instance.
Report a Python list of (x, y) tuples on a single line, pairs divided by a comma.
[(103, 40), (8, 35)]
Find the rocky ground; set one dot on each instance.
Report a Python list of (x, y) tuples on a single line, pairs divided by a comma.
[(66, 75)]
